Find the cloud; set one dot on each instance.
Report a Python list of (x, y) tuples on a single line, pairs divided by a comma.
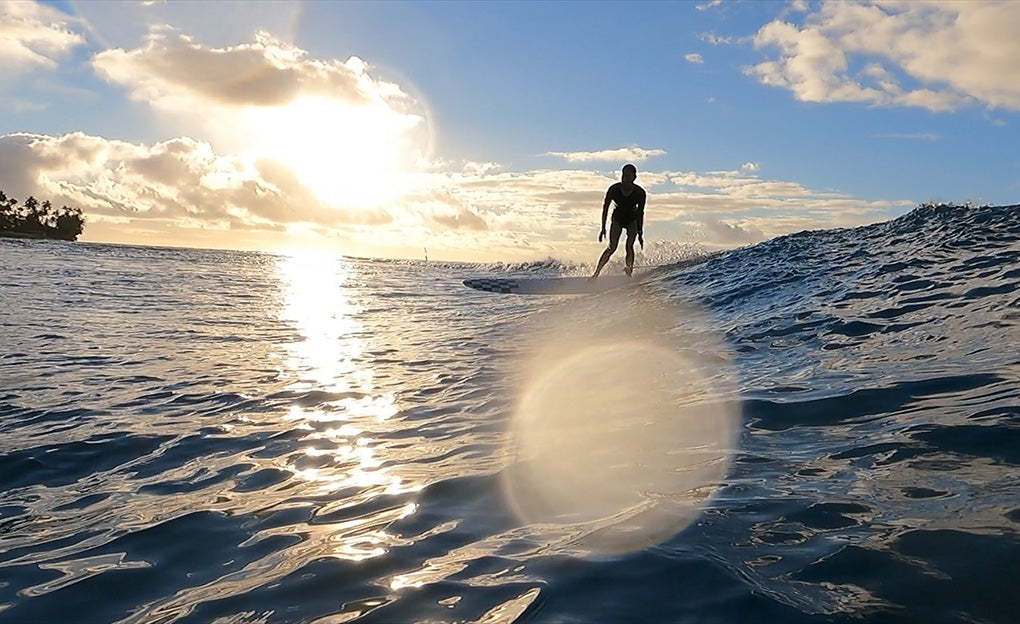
[(713, 39), (172, 67), (556, 212), (694, 57), (727, 234), (33, 35), (752, 208), (460, 219), (481, 168), (182, 190), (179, 180), (636, 154), (704, 6), (930, 54), (346, 134)]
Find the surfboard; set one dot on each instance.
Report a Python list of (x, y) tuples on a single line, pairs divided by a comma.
[(549, 285)]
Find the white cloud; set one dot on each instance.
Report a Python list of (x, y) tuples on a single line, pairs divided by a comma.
[(179, 179), (557, 212), (267, 72), (480, 168), (708, 5), (346, 134), (932, 54), (749, 166), (714, 39), (181, 190), (636, 154), (727, 234), (33, 35), (694, 57)]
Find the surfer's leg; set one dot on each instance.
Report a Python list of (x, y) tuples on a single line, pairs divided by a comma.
[(614, 240), (631, 237)]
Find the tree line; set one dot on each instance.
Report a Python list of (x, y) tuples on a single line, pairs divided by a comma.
[(35, 219)]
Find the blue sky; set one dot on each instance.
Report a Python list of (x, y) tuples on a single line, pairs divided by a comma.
[(489, 131)]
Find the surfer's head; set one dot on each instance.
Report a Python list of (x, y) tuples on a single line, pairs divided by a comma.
[(629, 173)]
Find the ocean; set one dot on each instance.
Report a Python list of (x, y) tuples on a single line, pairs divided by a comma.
[(824, 427)]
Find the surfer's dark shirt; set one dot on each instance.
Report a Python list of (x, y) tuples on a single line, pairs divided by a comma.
[(628, 207)]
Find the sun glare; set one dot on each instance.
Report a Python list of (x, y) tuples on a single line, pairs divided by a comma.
[(348, 155), (627, 460)]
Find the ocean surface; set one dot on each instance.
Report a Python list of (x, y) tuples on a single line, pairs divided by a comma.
[(824, 427)]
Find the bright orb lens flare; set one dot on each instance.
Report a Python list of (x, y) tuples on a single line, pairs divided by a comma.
[(625, 440)]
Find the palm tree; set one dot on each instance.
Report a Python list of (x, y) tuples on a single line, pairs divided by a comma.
[(69, 223), (39, 220), (8, 212), (31, 222)]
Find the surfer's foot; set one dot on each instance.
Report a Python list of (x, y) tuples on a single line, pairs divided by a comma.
[(628, 271), (593, 277)]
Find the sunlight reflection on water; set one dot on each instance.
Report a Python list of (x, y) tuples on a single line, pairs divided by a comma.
[(316, 301), (342, 454)]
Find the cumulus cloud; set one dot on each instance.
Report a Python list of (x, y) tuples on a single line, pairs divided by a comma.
[(481, 168), (180, 180), (738, 207), (184, 186), (347, 134), (930, 54), (714, 39), (172, 67), (729, 234), (636, 154), (445, 209), (558, 211), (460, 219), (694, 57), (33, 35)]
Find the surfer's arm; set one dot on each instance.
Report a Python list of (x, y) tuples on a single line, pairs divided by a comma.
[(641, 223), (605, 211)]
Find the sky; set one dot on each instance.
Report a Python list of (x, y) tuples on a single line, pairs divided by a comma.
[(490, 131)]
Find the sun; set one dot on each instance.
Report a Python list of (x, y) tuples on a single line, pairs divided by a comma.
[(350, 155)]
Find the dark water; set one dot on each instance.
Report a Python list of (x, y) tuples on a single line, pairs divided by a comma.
[(208, 436)]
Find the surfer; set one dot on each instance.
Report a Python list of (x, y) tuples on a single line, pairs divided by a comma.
[(629, 214)]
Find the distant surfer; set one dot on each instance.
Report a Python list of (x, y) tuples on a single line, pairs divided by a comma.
[(629, 214)]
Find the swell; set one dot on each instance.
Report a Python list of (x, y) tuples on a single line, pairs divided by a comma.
[(183, 459)]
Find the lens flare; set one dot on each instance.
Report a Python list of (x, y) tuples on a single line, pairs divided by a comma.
[(625, 437)]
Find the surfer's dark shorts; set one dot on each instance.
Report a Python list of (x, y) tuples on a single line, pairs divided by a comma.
[(626, 220)]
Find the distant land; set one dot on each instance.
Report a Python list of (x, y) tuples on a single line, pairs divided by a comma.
[(35, 219)]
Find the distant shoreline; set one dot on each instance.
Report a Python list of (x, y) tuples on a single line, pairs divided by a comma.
[(33, 235), (35, 220)]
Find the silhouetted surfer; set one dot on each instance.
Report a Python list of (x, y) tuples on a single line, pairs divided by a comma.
[(629, 214)]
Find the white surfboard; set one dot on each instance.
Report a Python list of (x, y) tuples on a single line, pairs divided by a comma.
[(549, 285)]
